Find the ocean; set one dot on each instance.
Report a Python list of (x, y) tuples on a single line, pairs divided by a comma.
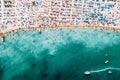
[(60, 54)]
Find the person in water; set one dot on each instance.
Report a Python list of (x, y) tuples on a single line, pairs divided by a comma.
[(1, 34), (2, 37)]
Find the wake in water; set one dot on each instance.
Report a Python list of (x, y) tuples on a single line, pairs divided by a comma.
[(105, 69)]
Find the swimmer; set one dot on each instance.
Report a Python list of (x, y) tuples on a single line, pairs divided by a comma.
[(2, 37)]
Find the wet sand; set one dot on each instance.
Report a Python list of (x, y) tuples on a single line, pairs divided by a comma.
[(8, 30)]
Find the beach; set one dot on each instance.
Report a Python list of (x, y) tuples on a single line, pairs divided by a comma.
[(59, 39)]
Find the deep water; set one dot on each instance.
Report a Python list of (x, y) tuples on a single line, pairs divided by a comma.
[(60, 54)]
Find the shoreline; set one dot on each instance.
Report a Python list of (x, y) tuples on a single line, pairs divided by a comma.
[(9, 30)]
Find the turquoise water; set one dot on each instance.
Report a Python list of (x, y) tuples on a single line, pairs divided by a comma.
[(63, 54)]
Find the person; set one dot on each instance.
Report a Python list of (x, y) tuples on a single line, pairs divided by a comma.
[(0, 32), (2, 37)]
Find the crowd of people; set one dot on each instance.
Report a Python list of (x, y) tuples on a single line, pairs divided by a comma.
[(27, 13)]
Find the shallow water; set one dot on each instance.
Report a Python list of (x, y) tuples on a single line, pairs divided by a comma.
[(63, 54)]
